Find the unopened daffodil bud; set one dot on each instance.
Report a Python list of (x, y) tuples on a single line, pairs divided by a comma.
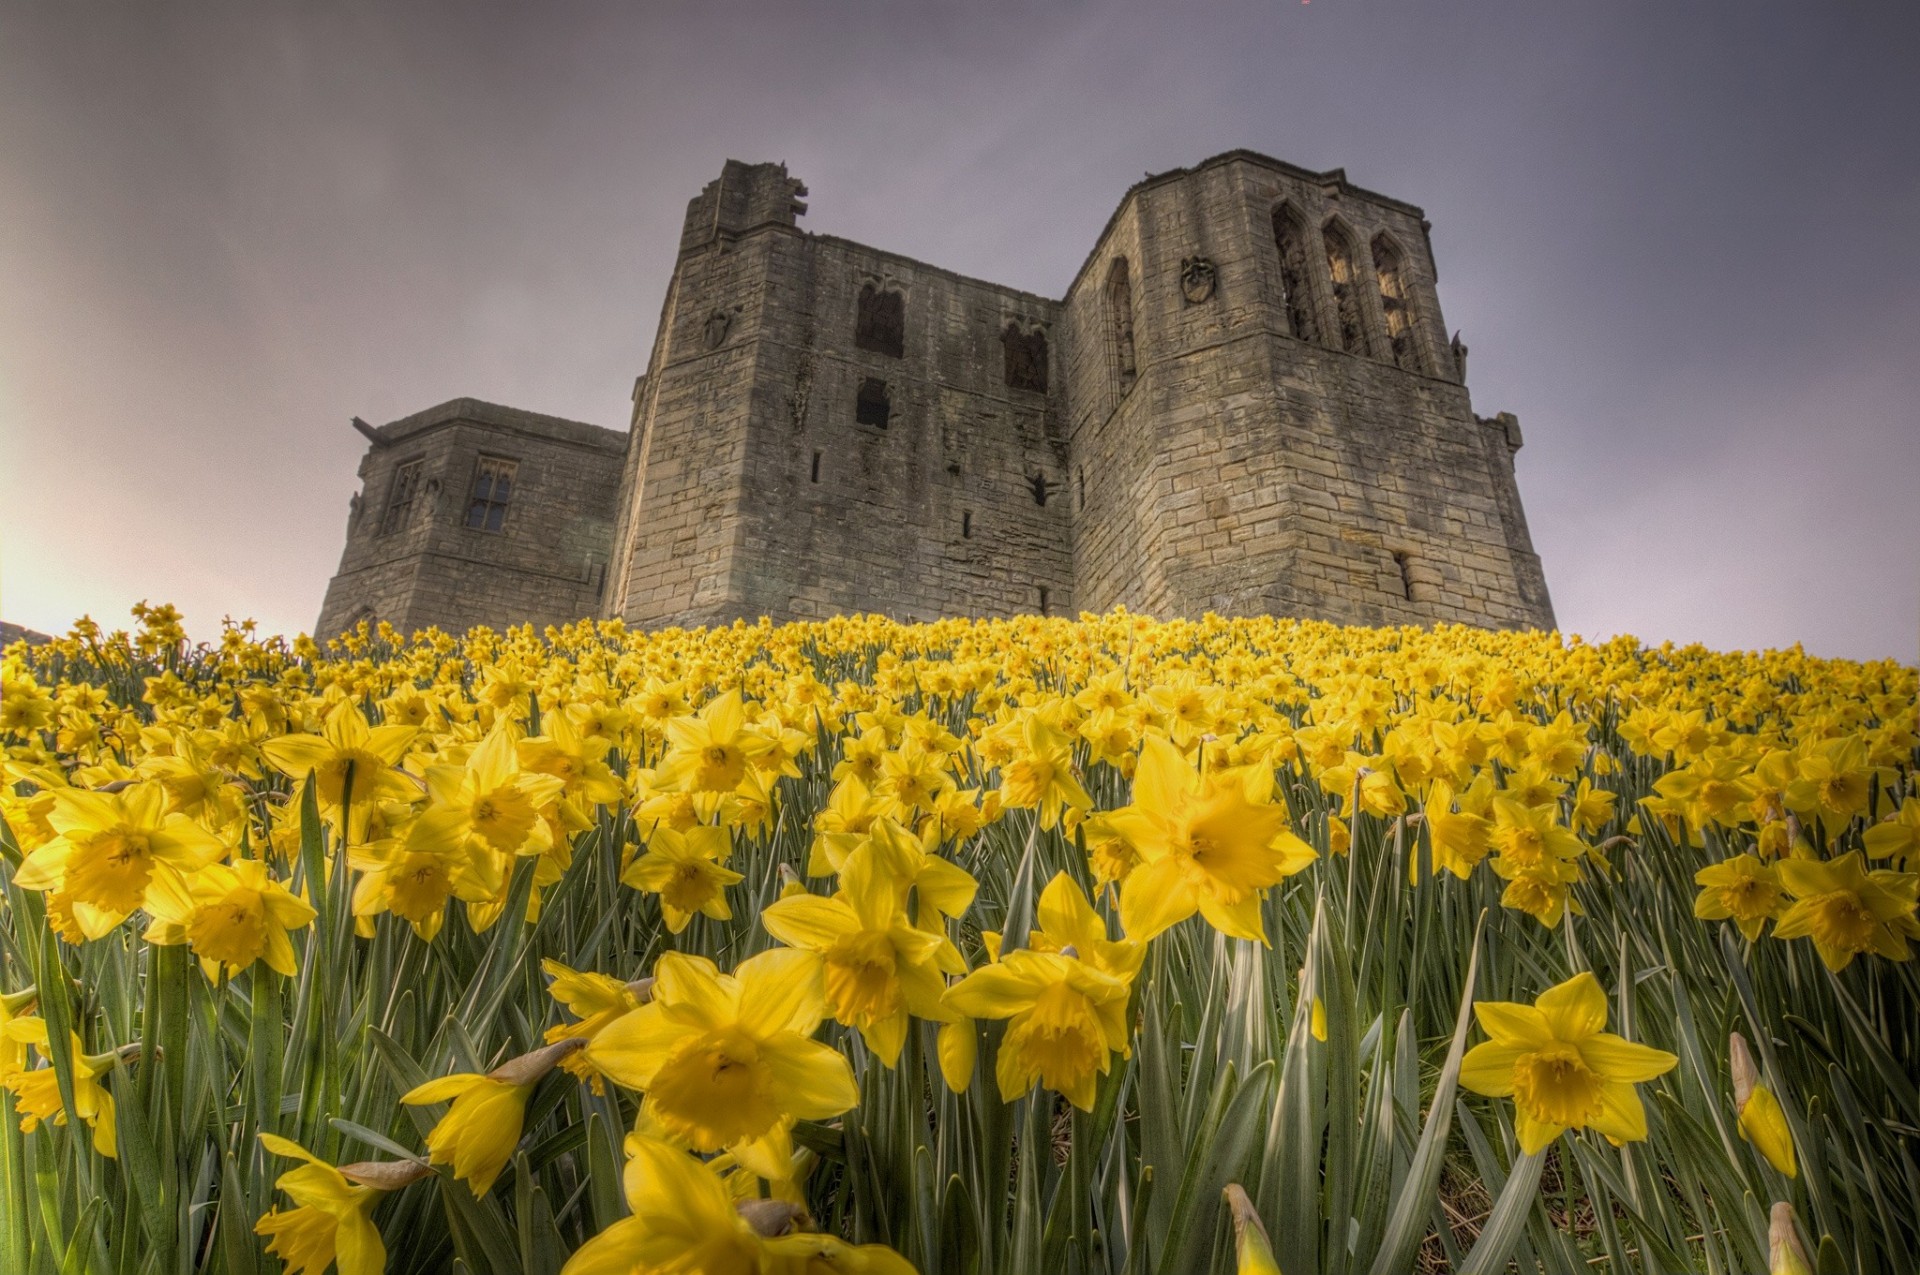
[(1762, 1121), (1253, 1252), (1786, 1255)]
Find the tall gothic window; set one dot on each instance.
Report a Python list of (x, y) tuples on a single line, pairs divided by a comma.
[(1120, 311), (1026, 358), (492, 489), (881, 323), (400, 496), (1396, 305), (1290, 237), (1346, 293)]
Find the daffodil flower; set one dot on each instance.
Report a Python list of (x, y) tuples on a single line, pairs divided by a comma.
[(1560, 1069), (478, 1133), (725, 1060), (1847, 910), (1209, 844), (230, 916), (111, 849)]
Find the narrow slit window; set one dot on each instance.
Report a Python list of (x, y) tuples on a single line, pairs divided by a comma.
[(1043, 599), (1405, 565), (400, 497), (492, 490), (871, 406), (966, 525), (1120, 315), (813, 476), (1080, 486), (1038, 485)]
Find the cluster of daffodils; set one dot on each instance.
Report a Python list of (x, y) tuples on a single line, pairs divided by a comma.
[(1193, 768)]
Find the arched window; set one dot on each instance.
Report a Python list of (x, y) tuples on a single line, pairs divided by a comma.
[(1120, 314), (1396, 305), (881, 323), (1346, 295), (1296, 286)]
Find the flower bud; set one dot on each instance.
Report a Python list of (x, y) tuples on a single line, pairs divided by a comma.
[(386, 1175), (1762, 1122), (1253, 1252), (1786, 1255)]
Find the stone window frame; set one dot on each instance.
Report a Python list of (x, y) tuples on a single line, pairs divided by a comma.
[(404, 486), (492, 508), (872, 298), (1308, 304), (1415, 353), (872, 389), (1333, 227), (1031, 338)]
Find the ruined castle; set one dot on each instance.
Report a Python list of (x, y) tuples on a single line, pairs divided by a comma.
[(1245, 403)]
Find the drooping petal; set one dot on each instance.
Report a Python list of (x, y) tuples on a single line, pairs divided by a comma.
[(1622, 1118), (1155, 897), (811, 1081)]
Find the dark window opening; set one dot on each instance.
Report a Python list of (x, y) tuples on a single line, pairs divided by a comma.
[(1346, 296), (881, 323), (814, 477), (1290, 237), (871, 406), (1120, 307), (1395, 305), (1405, 564), (1026, 358), (1080, 486), (400, 495), (492, 489), (1040, 487), (966, 525), (1043, 599)]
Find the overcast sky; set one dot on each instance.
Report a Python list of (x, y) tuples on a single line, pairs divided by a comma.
[(1682, 239)]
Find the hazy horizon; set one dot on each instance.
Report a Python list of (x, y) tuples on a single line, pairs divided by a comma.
[(1681, 244)]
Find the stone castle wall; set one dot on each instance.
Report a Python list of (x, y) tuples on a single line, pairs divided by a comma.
[(419, 564), (1246, 403)]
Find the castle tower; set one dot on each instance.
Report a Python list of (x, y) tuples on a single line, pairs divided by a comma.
[(1268, 418), (826, 427)]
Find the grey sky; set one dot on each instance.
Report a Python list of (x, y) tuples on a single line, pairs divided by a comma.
[(1683, 241)]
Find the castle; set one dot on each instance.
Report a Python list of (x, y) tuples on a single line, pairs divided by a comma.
[(1246, 403)]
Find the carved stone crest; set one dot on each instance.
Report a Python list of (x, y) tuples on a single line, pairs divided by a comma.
[(716, 328), (1197, 277)]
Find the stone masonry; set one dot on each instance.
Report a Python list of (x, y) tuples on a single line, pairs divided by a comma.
[(1246, 403)]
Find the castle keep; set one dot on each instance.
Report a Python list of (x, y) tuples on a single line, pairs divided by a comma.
[(1245, 403)]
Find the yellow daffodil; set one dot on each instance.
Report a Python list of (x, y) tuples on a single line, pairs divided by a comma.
[(684, 870), (710, 751), (332, 1221), (1068, 1014), (1847, 910), (478, 1133), (1561, 1070), (1742, 889), (230, 916), (1040, 774), (596, 1000), (725, 1060), (1209, 844), (111, 850), (37, 1091), (349, 759), (879, 968)]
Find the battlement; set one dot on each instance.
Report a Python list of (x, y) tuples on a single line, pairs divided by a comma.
[(1247, 402)]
